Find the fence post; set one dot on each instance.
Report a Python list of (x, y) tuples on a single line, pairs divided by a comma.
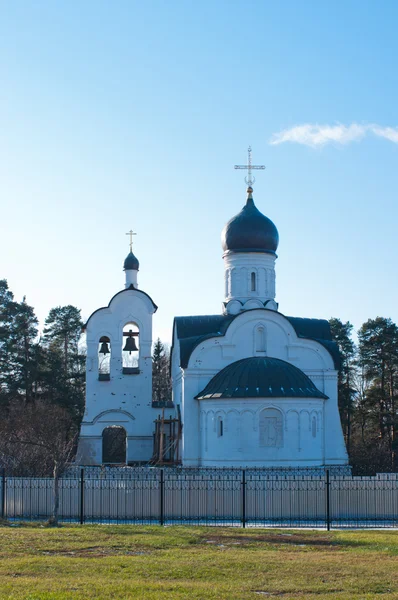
[(161, 517), (81, 496), (327, 486), (3, 494), (244, 498)]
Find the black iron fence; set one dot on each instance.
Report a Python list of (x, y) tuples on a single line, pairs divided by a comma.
[(233, 497)]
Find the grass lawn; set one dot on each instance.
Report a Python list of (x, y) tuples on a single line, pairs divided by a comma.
[(94, 561)]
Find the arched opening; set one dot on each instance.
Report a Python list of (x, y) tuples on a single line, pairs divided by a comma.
[(131, 349), (313, 427), (104, 359), (253, 282), (271, 431), (260, 339), (114, 445)]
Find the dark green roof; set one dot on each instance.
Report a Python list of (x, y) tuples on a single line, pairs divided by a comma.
[(131, 262), (250, 231), (260, 377), (191, 331)]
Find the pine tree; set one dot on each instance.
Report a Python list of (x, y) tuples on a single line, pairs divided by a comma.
[(64, 371), (18, 347), (378, 359), (341, 333), (6, 323), (161, 381)]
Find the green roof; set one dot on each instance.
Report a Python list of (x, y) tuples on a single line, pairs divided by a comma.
[(260, 377)]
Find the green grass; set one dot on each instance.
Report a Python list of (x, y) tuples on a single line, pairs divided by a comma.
[(94, 561)]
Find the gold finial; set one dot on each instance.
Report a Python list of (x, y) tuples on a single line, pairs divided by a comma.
[(250, 179), (131, 233)]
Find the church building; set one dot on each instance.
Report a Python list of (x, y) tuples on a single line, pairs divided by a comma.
[(252, 387)]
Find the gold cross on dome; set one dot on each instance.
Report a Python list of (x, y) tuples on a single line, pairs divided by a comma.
[(250, 179), (131, 233)]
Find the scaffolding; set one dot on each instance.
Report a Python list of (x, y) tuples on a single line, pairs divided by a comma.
[(166, 439)]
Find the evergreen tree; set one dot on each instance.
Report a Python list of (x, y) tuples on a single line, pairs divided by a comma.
[(341, 333), (63, 376), (161, 380), (6, 324), (24, 343), (378, 359), (18, 347)]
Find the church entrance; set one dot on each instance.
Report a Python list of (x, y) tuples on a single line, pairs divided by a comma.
[(114, 445)]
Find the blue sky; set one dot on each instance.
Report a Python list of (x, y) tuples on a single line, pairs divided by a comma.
[(119, 115)]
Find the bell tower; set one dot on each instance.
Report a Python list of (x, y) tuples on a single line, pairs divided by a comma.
[(117, 427)]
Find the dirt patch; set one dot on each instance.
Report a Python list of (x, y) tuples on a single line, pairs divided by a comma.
[(95, 552), (290, 539), (264, 594)]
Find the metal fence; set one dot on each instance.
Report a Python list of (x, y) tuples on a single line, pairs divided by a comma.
[(231, 497)]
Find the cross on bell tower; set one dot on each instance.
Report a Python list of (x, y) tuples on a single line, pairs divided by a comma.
[(131, 233), (250, 179), (131, 264)]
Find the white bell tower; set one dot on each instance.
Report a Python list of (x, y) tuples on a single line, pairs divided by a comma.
[(117, 426)]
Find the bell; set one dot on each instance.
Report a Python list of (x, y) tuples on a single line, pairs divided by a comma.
[(130, 345), (104, 348)]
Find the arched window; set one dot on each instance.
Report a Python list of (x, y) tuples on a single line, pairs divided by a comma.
[(313, 427), (253, 282), (220, 427), (104, 359), (114, 445), (271, 432), (260, 339), (131, 349)]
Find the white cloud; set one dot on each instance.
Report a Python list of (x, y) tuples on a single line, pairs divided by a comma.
[(319, 135), (390, 133)]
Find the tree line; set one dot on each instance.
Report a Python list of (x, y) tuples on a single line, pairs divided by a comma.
[(367, 391)]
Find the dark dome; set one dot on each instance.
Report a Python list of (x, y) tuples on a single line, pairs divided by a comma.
[(131, 263), (260, 377), (250, 231)]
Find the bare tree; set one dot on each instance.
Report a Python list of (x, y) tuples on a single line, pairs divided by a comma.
[(38, 439)]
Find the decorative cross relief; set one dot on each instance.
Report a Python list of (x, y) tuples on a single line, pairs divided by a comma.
[(271, 430)]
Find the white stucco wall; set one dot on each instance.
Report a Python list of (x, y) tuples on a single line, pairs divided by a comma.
[(239, 268), (296, 436), (124, 400)]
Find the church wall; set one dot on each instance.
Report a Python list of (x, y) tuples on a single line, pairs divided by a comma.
[(258, 432), (335, 449), (261, 333), (191, 442)]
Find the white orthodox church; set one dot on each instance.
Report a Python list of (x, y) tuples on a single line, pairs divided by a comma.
[(251, 386)]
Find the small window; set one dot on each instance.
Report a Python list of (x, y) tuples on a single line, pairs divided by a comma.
[(253, 282), (260, 339), (220, 427), (131, 349), (313, 427), (104, 359)]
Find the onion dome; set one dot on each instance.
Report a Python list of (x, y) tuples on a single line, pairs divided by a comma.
[(250, 231), (260, 377), (131, 262)]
